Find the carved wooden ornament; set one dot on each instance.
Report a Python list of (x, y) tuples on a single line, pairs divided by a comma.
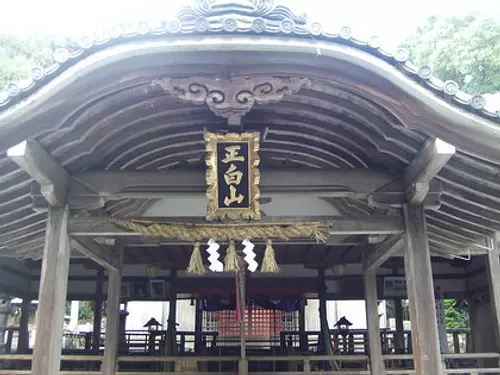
[(232, 97)]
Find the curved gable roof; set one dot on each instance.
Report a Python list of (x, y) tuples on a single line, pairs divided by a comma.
[(97, 108), (258, 19)]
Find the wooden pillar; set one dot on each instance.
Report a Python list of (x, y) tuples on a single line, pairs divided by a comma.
[(493, 270), (302, 326), (443, 336), (52, 294), (198, 327), (420, 288), (112, 320), (96, 332), (4, 315), (481, 324), (172, 314), (400, 334), (323, 319), (373, 323), (24, 336)]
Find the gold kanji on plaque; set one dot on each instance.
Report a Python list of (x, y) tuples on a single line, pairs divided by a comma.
[(232, 176)]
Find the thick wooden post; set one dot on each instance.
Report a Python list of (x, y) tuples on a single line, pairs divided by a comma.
[(198, 327), (400, 335), (4, 315), (24, 336), (420, 288), (373, 323), (302, 326), (112, 320), (52, 294), (172, 314), (493, 270), (96, 332)]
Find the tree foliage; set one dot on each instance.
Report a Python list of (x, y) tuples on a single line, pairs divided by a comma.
[(18, 55), (464, 49), (454, 316)]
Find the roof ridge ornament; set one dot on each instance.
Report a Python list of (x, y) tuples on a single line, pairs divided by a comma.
[(254, 8), (232, 97)]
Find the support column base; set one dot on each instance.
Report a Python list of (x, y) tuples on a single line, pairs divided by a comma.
[(243, 367)]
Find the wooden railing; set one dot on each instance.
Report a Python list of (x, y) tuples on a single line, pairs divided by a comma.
[(351, 342), (284, 365)]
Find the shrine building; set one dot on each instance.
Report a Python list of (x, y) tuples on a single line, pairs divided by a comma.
[(246, 165)]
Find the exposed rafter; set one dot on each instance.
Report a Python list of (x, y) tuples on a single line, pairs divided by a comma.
[(382, 252), (42, 167), (424, 167), (101, 254)]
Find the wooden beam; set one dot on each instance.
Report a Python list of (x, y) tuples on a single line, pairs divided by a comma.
[(52, 295), (493, 270), (40, 165), (359, 182), (372, 319), (101, 254), (339, 225), (426, 165), (113, 320), (420, 288), (380, 254)]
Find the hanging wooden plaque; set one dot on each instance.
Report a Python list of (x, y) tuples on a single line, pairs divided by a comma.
[(232, 176)]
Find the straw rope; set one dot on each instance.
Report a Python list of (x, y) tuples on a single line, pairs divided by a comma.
[(225, 232)]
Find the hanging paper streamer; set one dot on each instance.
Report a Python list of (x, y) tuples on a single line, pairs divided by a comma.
[(231, 261), (213, 249), (269, 263), (250, 255), (196, 266)]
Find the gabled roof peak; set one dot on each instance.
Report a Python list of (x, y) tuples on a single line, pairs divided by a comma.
[(243, 17)]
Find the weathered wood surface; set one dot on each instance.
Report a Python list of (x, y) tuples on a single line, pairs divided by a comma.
[(424, 167), (493, 274), (52, 295), (420, 288), (98, 310), (339, 225), (372, 319), (113, 321), (347, 182), (37, 163), (382, 252), (99, 253), (23, 340)]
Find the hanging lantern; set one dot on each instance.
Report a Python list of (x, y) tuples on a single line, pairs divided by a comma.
[(269, 264), (231, 262), (196, 266)]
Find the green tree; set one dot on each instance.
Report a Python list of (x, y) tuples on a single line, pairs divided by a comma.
[(455, 317), (464, 49), (18, 55)]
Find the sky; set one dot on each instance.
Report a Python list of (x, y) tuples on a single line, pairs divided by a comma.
[(391, 20)]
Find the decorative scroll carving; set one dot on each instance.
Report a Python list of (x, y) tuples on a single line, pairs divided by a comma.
[(235, 96), (254, 8)]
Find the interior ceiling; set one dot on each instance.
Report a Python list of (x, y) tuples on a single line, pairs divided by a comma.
[(142, 128), (97, 109)]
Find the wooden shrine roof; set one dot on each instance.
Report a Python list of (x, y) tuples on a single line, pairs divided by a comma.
[(100, 108)]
